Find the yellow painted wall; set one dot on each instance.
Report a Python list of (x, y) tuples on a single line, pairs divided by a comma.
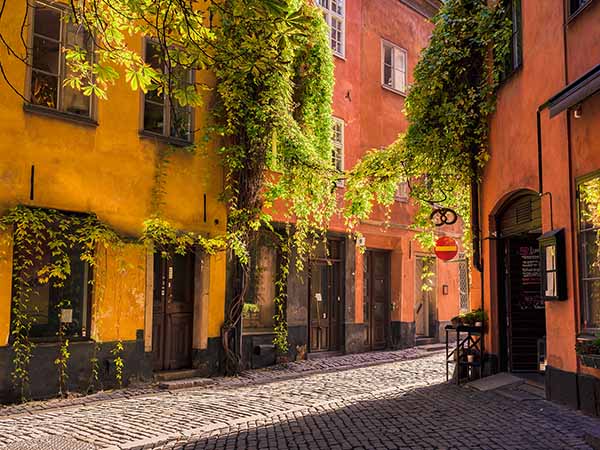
[(119, 293), (108, 170)]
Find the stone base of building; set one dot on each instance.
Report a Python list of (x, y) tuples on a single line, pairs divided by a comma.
[(209, 360), (43, 372), (578, 391), (403, 335)]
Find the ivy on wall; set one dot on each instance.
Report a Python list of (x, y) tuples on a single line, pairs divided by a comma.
[(448, 108)]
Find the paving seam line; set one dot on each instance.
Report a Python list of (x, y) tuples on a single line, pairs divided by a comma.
[(198, 432), (251, 382)]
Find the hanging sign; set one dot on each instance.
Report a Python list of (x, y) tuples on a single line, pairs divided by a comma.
[(446, 248)]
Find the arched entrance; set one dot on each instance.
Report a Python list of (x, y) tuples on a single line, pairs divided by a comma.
[(521, 312)]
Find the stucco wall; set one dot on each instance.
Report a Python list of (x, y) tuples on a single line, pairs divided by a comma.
[(109, 170)]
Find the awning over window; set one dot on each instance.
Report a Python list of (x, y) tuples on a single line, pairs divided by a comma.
[(576, 92)]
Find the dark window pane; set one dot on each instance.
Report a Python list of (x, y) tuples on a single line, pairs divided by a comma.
[(47, 22), (44, 89), (153, 117), (589, 242), (46, 55), (153, 55), (183, 278), (181, 121), (50, 305), (592, 299), (74, 102)]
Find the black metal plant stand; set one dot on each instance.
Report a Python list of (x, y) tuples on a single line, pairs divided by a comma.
[(469, 341)]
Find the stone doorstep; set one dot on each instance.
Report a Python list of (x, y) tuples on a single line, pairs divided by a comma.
[(432, 347), (185, 383)]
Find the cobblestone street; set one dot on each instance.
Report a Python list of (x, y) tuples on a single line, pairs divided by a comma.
[(400, 404)]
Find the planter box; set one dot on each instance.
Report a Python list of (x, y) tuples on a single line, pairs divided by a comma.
[(590, 361)]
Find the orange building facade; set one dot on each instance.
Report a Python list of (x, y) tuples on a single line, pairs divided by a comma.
[(539, 216), (369, 295)]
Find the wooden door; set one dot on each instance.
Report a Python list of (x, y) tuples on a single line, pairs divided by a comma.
[(324, 307), (377, 297), (173, 312), (525, 309), (425, 298)]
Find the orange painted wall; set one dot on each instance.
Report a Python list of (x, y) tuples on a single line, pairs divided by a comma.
[(513, 147)]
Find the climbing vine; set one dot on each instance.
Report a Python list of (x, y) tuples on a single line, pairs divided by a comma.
[(448, 107), (42, 241)]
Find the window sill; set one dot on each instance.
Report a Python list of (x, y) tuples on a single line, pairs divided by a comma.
[(579, 12), (339, 56), (55, 114), (165, 139), (395, 91), (587, 334), (53, 341)]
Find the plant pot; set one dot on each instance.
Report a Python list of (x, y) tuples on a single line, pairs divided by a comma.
[(470, 358), (479, 324), (590, 361)]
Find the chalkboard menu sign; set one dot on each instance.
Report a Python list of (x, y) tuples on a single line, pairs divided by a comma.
[(529, 268)]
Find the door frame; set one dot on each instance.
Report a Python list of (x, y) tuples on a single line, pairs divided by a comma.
[(388, 294), (340, 263), (418, 291), (161, 341), (500, 306)]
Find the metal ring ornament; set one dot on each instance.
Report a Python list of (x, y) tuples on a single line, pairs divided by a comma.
[(443, 216)]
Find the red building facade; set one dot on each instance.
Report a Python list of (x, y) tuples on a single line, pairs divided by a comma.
[(539, 216), (369, 295)]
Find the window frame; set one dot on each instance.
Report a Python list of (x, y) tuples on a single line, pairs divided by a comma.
[(87, 307), (463, 263), (339, 146), (400, 196), (580, 256), (572, 13), (516, 41), (328, 14), (166, 134), (385, 43), (29, 105)]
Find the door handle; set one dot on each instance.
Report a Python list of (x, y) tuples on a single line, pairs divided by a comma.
[(419, 308)]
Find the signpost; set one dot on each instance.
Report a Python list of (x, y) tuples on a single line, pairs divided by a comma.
[(446, 248)]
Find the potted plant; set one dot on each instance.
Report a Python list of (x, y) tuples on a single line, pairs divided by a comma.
[(588, 352), (456, 321)]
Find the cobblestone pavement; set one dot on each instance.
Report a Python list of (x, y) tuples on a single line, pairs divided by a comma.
[(265, 375), (401, 404)]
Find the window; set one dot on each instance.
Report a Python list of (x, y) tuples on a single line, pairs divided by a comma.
[(514, 59), (576, 5), (338, 144), (402, 192), (333, 11), (51, 33), (588, 193), (394, 67), (161, 114), (50, 306)]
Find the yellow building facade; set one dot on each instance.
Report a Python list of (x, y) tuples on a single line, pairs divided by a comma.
[(64, 154)]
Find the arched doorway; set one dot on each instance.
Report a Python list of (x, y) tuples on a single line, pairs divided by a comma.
[(521, 312)]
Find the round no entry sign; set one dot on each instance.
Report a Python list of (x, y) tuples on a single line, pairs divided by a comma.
[(446, 248)]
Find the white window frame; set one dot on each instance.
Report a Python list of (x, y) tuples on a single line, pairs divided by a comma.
[(328, 14), (387, 44), (338, 146), (402, 193), (62, 65), (166, 132)]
